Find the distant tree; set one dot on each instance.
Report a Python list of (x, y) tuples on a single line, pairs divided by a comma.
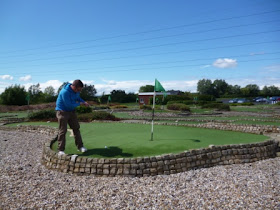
[(14, 95), (205, 87), (49, 91), (146, 88), (234, 90), (35, 93), (49, 94), (88, 92), (61, 86), (179, 92), (254, 90), (220, 87), (245, 92), (270, 91), (118, 96)]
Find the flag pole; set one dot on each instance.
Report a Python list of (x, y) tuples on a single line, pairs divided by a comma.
[(154, 99)]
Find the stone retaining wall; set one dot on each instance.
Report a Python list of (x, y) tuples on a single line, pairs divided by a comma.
[(156, 165)]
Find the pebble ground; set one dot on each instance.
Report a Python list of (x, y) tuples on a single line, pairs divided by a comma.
[(26, 184)]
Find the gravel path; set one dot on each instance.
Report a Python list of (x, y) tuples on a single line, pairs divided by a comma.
[(26, 184)]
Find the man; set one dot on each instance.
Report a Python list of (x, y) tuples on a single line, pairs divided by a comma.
[(68, 99)]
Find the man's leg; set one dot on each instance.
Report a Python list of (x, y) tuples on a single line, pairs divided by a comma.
[(62, 123), (75, 126)]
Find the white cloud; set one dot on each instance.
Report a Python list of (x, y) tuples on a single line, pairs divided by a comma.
[(25, 78), (205, 66), (257, 53), (275, 68), (6, 77), (54, 83), (134, 85), (225, 63)]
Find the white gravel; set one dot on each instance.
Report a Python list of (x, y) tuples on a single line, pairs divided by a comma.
[(26, 184)]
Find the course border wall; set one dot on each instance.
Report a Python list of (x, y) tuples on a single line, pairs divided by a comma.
[(165, 164)]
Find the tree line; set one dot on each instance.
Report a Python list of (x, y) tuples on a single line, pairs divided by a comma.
[(17, 95), (221, 89)]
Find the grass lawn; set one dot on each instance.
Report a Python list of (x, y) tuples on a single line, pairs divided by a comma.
[(180, 122), (133, 140), (14, 114), (255, 108)]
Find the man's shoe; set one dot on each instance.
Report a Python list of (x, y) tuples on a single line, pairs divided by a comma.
[(83, 149), (61, 153)]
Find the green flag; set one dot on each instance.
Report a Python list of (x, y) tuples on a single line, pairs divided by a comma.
[(27, 98), (109, 98), (158, 86)]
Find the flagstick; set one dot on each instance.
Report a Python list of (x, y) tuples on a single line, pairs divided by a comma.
[(154, 99)]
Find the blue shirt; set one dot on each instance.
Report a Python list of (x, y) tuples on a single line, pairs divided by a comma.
[(67, 99)]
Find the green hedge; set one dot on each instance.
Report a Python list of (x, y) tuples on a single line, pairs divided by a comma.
[(100, 115), (178, 106), (119, 107), (83, 109), (42, 115), (146, 107), (186, 102), (242, 104)]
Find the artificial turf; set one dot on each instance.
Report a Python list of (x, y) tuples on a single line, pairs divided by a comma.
[(134, 140), (117, 140)]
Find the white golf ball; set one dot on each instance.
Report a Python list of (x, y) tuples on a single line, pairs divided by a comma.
[(105, 147)]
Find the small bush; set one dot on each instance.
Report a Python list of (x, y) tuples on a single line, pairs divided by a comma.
[(87, 117), (242, 104), (146, 107), (119, 107), (83, 109), (101, 107), (178, 106), (247, 104), (103, 116), (186, 102), (42, 115)]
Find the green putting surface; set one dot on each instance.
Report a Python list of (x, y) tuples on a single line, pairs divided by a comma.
[(134, 140)]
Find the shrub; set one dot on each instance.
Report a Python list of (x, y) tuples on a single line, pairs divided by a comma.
[(87, 117), (43, 114), (186, 102), (145, 107), (247, 104), (119, 107), (218, 106), (178, 106), (83, 109), (101, 107), (242, 104)]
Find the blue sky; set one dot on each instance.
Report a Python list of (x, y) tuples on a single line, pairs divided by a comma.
[(126, 44)]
